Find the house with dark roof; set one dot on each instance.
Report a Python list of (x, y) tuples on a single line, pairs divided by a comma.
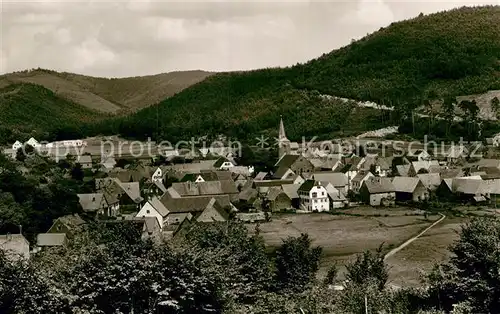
[(313, 196), (121, 197), (410, 189), (378, 191), (297, 163), (179, 208), (68, 225), (224, 163), (94, 203)]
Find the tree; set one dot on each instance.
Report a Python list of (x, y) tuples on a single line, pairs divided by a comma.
[(473, 273), (77, 173), (495, 107), (448, 111), (296, 263), (369, 267)]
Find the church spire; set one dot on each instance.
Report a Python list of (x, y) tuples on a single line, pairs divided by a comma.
[(282, 135)]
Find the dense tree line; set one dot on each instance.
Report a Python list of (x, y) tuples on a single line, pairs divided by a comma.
[(221, 268), (34, 192)]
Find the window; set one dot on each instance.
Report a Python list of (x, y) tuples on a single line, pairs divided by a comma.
[(147, 211), (314, 194), (322, 193)]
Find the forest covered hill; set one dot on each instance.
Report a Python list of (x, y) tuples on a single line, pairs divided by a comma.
[(405, 65), (446, 54), (109, 95)]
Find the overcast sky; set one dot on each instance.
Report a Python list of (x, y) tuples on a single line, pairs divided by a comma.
[(139, 37)]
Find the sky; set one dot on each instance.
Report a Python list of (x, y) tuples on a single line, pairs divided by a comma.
[(140, 37)]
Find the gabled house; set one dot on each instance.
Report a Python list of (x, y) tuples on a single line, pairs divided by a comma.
[(68, 225), (297, 163), (107, 163), (278, 200), (431, 181), (125, 197), (224, 164), (378, 191), (418, 167), (154, 208), (33, 143), (93, 203), (85, 161), (15, 247), (313, 196), (157, 175), (291, 190), (418, 155), (208, 188), (16, 146), (155, 188), (208, 208), (50, 240), (336, 197), (337, 179), (357, 181), (456, 154), (410, 189), (283, 173)]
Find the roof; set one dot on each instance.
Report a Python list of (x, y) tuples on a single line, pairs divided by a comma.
[(158, 206), (133, 191), (291, 190), (50, 239), (260, 176), (287, 161), (205, 188), (247, 194), (14, 244), (470, 186), (307, 186), (405, 184), (451, 173), (430, 180), (281, 171), (274, 192), (84, 159), (71, 220), (335, 178), (334, 194), (92, 202), (192, 204), (218, 163), (377, 185), (264, 183), (360, 176), (489, 163), (403, 170)]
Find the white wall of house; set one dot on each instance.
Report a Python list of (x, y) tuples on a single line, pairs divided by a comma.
[(16, 146), (316, 199), (149, 211), (157, 175), (199, 179), (376, 199), (226, 165)]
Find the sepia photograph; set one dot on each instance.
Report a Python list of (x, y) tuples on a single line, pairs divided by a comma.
[(249, 156)]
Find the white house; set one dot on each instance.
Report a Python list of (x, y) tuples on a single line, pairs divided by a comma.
[(157, 175), (154, 208), (34, 143), (313, 196), (16, 146)]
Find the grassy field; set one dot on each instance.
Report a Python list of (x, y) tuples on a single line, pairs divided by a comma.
[(408, 265), (343, 236)]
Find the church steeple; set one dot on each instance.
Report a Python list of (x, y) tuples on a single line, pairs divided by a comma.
[(282, 134), (283, 142)]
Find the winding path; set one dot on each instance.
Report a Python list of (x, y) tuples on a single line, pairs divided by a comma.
[(409, 241)]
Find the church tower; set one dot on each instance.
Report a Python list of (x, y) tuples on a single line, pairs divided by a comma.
[(283, 142)]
